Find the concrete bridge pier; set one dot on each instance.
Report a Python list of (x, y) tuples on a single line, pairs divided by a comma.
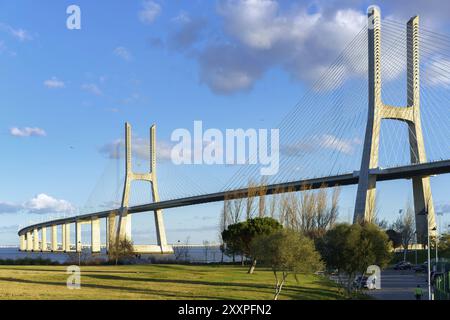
[(29, 241), (44, 245), (35, 240), (110, 230), (63, 238), (95, 235), (78, 241), (23, 242), (66, 237), (54, 246)]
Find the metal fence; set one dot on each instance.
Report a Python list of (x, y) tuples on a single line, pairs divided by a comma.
[(442, 287)]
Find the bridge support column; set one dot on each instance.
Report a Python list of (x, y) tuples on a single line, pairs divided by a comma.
[(63, 237), (423, 200), (365, 197), (124, 225), (124, 228), (66, 235), (44, 246), (111, 232), (35, 240), (78, 241), (95, 235), (54, 238), (161, 232), (23, 242), (29, 241)]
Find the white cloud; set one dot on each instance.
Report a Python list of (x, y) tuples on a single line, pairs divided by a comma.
[(41, 204), (149, 12), (54, 83), (185, 31), (92, 88), (260, 34), (44, 204), (326, 141), (27, 132), (123, 53), (346, 146), (19, 33)]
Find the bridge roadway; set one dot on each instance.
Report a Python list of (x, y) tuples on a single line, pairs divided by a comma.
[(394, 173)]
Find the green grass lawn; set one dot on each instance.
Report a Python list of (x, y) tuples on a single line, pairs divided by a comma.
[(158, 282)]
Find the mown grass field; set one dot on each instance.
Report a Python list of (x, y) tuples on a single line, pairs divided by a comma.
[(158, 282)]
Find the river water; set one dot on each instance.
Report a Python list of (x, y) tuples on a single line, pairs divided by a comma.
[(198, 254)]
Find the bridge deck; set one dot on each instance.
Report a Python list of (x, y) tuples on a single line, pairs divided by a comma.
[(395, 173)]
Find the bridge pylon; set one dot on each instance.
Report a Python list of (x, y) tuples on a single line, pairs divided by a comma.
[(365, 197), (123, 230)]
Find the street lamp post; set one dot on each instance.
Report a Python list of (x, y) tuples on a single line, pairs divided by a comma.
[(436, 244), (429, 257), (415, 250)]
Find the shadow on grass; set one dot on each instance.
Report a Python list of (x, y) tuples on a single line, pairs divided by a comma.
[(63, 270), (289, 290), (294, 293), (107, 287)]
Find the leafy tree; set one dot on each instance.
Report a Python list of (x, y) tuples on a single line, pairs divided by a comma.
[(254, 228), (231, 237), (444, 245), (120, 250), (394, 237), (286, 252), (241, 235), (352, 248)]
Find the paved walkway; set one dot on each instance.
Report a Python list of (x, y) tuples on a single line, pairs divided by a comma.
[(399, 285)]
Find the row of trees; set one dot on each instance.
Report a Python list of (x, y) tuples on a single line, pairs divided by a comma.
[(310, 212), (348, 249), (296, 232)]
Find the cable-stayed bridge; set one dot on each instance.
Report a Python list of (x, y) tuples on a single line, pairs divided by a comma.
[(380, 112)]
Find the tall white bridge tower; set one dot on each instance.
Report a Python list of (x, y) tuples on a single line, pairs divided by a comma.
[(365, 197)]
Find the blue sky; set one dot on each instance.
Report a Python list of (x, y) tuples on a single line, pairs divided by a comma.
[(65, 94)]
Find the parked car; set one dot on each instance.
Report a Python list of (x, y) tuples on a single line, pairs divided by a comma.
[(403, 265)]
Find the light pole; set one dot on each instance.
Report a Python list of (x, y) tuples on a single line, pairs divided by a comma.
[(436, 244), (415, 250), (428, 260)]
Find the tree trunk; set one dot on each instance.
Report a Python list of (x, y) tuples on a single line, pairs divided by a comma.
[(349, 284), (242, 260), (252, 267), (279, 287)]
